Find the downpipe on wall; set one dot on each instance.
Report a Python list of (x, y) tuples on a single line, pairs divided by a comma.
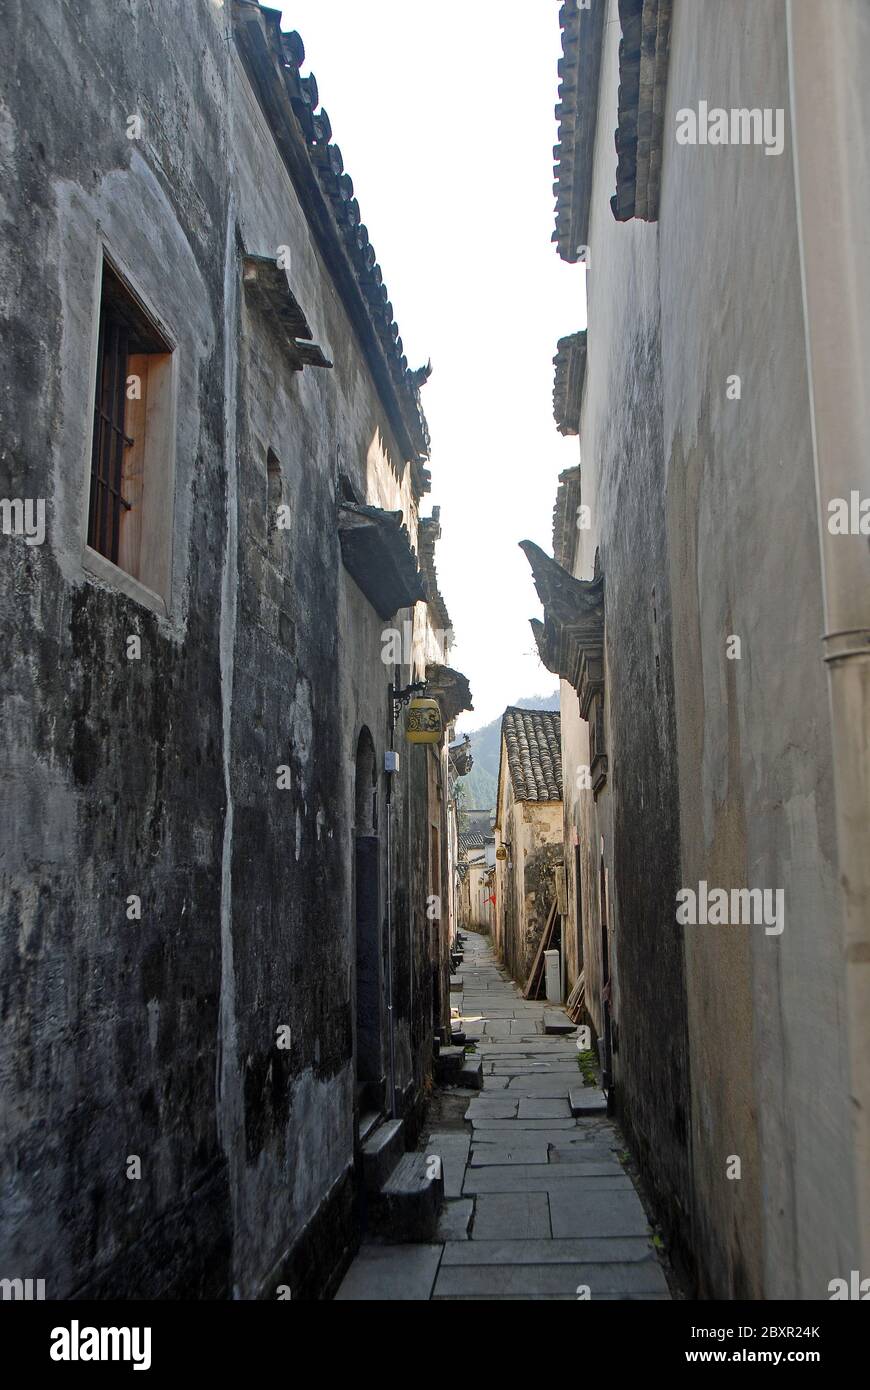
[(828, 51)]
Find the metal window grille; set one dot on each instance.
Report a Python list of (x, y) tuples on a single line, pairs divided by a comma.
[(110, 439)]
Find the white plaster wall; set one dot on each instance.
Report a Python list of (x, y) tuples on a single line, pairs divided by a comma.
[(720, 273), (755, 750)]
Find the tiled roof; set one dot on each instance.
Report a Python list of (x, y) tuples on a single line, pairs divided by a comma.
[(643, 75), (534, 752), (450, 688), (428, 533), (565, 517), (579, 69), (460, 757), (570, 364), (469, 840), (314, 162), (376, 551), (267, 285), (643, 69)]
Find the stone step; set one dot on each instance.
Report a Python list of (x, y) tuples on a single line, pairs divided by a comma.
[(407, 1207), (452, 1147), (587, 1100), (557, 1021), (456, 983), (382, 1151), (368, 1123), (471, 1073), (448, 1065)]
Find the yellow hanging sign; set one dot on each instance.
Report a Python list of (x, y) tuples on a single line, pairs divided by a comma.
[(424, 721)]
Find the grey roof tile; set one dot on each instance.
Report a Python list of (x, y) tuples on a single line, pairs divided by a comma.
[(534, 753)]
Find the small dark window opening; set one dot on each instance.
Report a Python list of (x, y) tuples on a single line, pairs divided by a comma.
[(346, 492), (597, 754), (273, 489), (127, 335)]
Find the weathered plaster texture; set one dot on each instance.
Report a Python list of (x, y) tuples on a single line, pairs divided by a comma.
[(531, 832), (159, 777), (768, 1059), (632, 827), (727, 1041)]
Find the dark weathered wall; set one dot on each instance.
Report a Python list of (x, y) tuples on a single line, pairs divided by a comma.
[(113, 779), (646, 944), (159, 777)]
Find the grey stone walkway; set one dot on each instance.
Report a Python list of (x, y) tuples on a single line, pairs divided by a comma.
[(538, 1205)]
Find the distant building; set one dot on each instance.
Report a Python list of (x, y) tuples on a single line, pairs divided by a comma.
[(528, 834), (476, 853), (476, 911), (460, 762)]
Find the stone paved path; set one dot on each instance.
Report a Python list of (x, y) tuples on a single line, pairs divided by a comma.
[(538, 1205)]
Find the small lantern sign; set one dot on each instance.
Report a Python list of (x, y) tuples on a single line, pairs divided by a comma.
[(424, 721), (501, 852)]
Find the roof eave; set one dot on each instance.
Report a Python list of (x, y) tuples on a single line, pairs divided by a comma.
[(376, 552), (258, 37), (568, 378), (577, 113)]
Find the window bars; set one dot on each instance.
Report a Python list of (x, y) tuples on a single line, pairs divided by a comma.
[(110, 439)]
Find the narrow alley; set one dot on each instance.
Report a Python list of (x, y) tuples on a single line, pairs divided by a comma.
[(435, 706), (537, 1202)]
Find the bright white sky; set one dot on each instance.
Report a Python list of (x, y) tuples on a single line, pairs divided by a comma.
[(444, 114)]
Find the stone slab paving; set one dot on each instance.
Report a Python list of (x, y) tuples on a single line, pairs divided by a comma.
[(455, 1220), (550, 1281), (388, 1273), (524, 1214), (551, 1084), (578, 1210), (539, 1205), (521, 1150), (492, 1107), (590, 1181), (542, 1108), (452, 1148), (587, 1250), (484, 1129), (498, 1028)]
